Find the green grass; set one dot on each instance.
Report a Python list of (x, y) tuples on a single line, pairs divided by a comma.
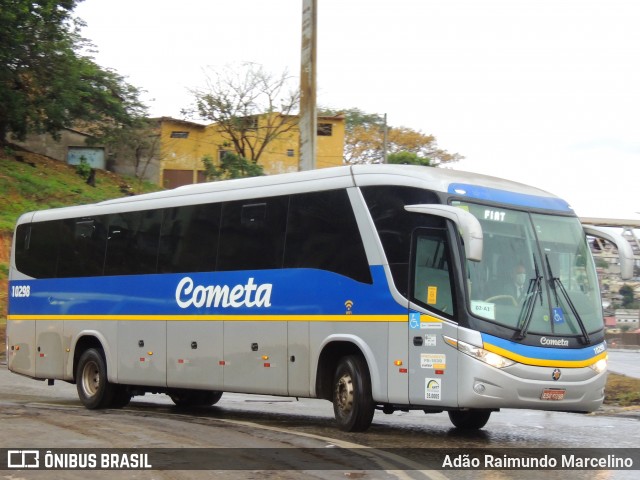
[(31, 182), (36, 183)]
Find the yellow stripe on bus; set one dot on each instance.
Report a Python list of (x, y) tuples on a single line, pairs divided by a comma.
[(539, 362), (217, 318)]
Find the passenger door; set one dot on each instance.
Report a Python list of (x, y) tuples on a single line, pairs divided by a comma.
[(432, 314)]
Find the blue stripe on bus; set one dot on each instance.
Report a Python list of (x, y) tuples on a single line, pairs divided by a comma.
[(544, 353), (503, 196), (292, 291)]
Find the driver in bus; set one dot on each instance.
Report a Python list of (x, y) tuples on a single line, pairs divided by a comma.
[(516, 286), (513, 290)]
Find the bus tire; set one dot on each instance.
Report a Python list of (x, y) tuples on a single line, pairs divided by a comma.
[(184, 398), (353, 405), (210, 398), (121, 398), (469, 419), (92, 384)]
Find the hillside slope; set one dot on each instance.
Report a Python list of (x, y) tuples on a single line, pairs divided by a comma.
[(33, 182)]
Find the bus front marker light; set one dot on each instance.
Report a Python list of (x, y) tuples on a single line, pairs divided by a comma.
[(485, 356), (600, 366)]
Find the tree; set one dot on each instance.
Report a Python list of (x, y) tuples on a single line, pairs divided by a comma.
[(364, 141), (231, 166), (249, 106), (627, 296), (136, 144), (45, 83), (408, 158)]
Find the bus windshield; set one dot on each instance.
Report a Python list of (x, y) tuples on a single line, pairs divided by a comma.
[(536, 275)]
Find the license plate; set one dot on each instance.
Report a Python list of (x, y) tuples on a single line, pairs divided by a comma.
[(552, 394)]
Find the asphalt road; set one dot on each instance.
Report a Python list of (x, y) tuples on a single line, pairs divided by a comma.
[(34, 415), (625, 362)]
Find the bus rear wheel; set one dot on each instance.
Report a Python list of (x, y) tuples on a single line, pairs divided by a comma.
[(353, 405), (92, 384), (469, 419), (194, 398)]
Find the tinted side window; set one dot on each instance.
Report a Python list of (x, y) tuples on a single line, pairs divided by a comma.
[(322, 233), (395, 225), (252, 234), (83, 244), (189, 239), (132, 243), (37, 249)]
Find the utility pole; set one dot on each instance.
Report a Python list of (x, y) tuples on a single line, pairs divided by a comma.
[(308, 123), (384, 140)]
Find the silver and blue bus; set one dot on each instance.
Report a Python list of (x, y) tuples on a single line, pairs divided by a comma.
[(374, 287)]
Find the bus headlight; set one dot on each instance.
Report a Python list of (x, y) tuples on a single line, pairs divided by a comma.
[(485, 356), (600, 366)]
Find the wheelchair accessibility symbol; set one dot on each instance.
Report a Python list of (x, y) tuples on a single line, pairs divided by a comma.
[(558, 315), (414, 321)]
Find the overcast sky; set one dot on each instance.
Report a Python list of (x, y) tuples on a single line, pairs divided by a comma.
[(545, 92)]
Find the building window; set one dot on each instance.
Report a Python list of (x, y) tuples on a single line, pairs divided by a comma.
[(222, 153), (249, 123), (290, 152), (176, 134), (325, 129)]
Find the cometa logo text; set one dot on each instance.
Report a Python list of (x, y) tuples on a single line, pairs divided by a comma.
[(248, 295), (556, 342)]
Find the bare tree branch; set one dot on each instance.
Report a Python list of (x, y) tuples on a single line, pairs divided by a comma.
[(249, 106)]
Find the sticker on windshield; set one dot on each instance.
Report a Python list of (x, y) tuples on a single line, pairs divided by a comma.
[(558, 315), (483, 309)]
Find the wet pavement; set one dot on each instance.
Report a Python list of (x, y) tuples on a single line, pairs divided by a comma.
[(625, 362), (33, 414)]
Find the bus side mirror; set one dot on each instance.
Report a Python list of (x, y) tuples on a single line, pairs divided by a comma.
[(625, 252), (468, 225)]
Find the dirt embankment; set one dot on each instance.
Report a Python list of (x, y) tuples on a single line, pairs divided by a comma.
[(3, 327), (5, 245)]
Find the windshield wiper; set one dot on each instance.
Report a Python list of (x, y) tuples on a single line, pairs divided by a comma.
[(555, 281), (533, 291)]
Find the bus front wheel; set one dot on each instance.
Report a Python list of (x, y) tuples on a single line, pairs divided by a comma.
[(92, 384), (469, 419), (352, 402)]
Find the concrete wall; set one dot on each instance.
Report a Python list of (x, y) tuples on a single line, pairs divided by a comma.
[(44, 144)]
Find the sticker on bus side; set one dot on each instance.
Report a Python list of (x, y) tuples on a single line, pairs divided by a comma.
[(433, 360), (433, 389)]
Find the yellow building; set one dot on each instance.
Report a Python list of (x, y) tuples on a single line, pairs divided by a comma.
[(183, 145)]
